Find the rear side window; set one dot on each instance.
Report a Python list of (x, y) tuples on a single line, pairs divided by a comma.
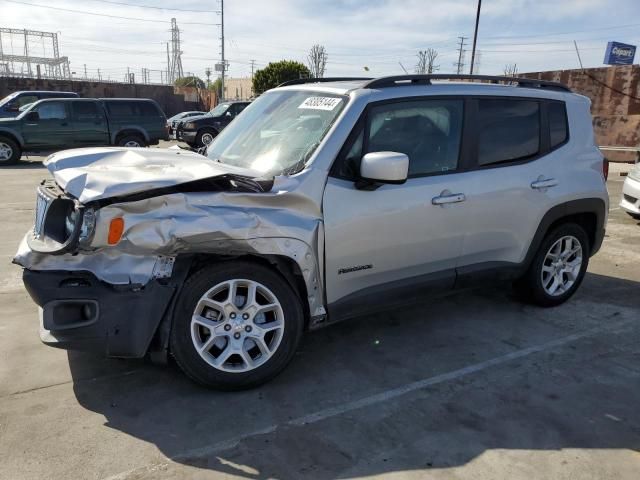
[(148, 109), (85, 111), (509, 130), (120, 109), (132, 109), (558, 131)]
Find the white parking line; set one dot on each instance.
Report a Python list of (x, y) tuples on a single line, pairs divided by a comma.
[(367, 401)]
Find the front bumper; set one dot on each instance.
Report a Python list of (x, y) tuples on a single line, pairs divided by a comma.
[(80, 312), (187, 136), (631, 196)]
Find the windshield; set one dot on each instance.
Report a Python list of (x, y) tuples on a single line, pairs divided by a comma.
[(219, 110), (278, 132), (8, 98)]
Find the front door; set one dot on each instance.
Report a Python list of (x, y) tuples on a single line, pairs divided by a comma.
[(385, 244), (53, 130)]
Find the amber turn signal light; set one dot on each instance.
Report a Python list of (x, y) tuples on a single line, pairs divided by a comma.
[(116, 228)]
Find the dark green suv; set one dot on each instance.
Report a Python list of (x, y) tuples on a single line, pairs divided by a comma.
[(59, 124)]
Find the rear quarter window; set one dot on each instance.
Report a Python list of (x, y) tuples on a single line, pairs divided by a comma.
[(558, 125)]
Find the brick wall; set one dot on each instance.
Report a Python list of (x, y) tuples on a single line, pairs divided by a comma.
[(171, 99), (615, 97)]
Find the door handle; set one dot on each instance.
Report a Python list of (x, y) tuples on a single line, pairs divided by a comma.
[(448, 198), (542, 182)]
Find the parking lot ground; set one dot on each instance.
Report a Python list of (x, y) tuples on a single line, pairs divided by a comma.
[(472, 386)]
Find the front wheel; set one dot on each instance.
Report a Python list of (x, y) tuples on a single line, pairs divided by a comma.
[(10, 152), (558, 267), (205, 137), (236, 325)]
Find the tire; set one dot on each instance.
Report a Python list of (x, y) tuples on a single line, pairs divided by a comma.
[(203, 135), (235, 334), (130, 140), (10, 152), (531, 286)]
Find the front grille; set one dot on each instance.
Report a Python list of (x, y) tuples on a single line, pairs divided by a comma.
[(42, 205), (630, 199)]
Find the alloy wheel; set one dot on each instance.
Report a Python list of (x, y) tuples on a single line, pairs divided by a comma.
[(207, 138), (237, 325), (6, 152), (561, 265)]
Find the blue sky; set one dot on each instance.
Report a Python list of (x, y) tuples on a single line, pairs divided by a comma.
[(377, 34)]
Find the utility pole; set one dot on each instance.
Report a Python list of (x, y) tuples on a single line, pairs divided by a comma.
[(460, 64), (253, 64), (85, 71), (99, 76), (475, 37), (224, 65)]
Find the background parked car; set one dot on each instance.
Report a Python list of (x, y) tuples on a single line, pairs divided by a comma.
[(11, 105), (59, 124), (630, 202), (200, 131), (172, 122)]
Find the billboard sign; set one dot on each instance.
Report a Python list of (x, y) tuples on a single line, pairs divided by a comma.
[(619, 54)]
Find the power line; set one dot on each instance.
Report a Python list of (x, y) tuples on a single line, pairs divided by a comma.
[(155, 8), (82, 12)]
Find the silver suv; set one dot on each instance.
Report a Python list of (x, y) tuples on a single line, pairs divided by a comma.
[(323, 200)]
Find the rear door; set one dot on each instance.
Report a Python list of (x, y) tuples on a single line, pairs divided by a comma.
[(53, 130), (386, 244), (89, 123), (515, 179)]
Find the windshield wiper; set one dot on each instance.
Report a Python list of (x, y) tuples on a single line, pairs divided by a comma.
[(299, 165)]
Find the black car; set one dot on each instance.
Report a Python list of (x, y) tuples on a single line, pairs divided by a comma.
[(173, 122), (200, 131)]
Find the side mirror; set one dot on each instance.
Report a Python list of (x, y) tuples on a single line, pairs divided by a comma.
[(384, 167), (33, 116)]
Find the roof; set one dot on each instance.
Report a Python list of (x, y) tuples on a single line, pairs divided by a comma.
[(344, 85)]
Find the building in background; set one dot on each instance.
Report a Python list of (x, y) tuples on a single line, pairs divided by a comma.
[(238, 88)]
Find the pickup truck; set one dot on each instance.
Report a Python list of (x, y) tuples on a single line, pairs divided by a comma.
[(58, 124)]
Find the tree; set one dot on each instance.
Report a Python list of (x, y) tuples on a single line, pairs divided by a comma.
[(191, 81), (426, 61), (317, 61), (216, 86), (511, 70), (276, 73)]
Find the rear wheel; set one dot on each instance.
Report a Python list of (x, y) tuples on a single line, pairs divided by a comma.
[(131, 141), (236, 325), (558, 268), (10, 151)]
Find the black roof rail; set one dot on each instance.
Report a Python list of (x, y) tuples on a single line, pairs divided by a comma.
[(301, 81), (399, 80)]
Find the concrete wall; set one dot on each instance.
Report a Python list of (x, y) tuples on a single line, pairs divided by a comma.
[(171, 99), (615, 97)]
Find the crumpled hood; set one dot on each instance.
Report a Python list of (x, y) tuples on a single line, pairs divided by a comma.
[(90, 174)]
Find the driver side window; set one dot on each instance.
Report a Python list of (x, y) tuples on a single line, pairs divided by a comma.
[(427, 131)]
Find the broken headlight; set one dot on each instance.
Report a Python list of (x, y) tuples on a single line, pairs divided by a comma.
[(88, 219)]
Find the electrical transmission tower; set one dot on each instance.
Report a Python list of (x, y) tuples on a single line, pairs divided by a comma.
[(30, 58), (460, 63), (174, 54)]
